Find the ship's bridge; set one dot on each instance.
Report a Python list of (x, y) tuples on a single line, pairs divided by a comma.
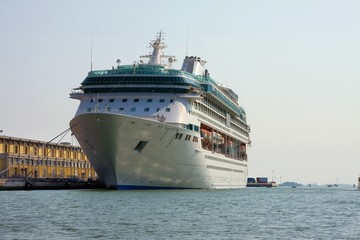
[(139, 78), (156, 79)]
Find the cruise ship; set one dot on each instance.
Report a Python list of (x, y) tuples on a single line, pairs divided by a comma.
[(147, 125)]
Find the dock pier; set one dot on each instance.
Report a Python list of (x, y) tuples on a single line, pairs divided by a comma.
[(13, 183)]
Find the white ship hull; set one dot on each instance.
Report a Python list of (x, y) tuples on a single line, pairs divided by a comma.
[(112, 144)]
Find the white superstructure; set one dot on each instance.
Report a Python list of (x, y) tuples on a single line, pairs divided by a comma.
[(147, 125)]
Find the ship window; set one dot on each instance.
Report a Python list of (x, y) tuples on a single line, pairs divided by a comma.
[(177, 135), (136, 100), (111, 100), (162, 100), (133, 109), (196, 128), (180, 135), (140, 146), (100, 100), (149, 100), (124, 100), (146, 109), (167, 109)]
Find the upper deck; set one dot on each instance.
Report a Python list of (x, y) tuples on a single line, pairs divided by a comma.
[(157, 77), (148, 70)]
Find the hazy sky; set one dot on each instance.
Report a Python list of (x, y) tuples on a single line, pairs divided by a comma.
[(294, 64)]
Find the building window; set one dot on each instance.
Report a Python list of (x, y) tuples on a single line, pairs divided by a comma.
[(167, 109), (171, 100), (149, 100), (124, 100), (162, 100), (158, 109), (133, 109), (111, 100), (146, 109), (100, 100), (121, 109)]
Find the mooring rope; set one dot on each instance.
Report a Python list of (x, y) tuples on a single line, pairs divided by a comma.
[(47, 153)]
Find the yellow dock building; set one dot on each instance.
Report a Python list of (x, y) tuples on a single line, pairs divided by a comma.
[(38, 159)]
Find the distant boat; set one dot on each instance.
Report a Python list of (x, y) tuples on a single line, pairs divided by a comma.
[(260, 182), (273, 184)]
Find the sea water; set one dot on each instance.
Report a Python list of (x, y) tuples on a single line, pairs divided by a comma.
[(252, 213)]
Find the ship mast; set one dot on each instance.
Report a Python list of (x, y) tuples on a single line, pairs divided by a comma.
[(157, 45)]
